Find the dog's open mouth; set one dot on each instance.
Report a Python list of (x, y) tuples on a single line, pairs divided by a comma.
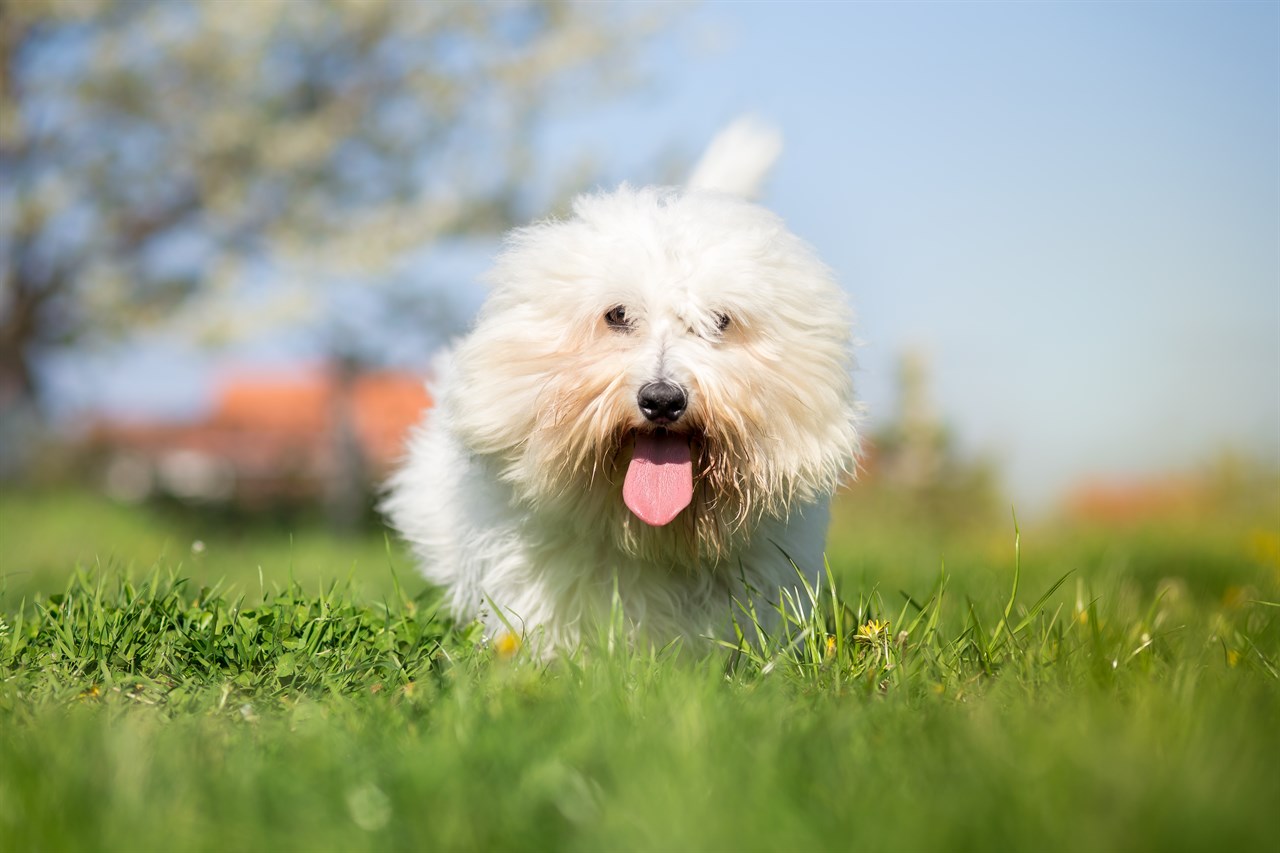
[(659, 481)]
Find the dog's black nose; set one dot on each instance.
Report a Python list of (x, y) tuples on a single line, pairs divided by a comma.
[(662, 402)]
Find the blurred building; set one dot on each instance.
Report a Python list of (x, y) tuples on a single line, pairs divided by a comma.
[(322, 434), (1232, 484), (1119, 501)]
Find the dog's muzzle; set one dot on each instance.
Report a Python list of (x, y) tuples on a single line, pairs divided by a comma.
[(659, 481)]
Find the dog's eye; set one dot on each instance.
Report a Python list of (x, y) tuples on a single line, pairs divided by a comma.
[(722, 322), (616, 318)]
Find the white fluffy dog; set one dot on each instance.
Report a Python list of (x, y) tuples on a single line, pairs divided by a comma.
[(649, 417)]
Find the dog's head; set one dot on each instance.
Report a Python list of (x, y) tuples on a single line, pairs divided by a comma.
[(671, 363)]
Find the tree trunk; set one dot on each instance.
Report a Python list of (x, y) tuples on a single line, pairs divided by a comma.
[(18, 330), (346, 490)]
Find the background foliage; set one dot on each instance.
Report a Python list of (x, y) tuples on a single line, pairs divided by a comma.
[(156, 154)]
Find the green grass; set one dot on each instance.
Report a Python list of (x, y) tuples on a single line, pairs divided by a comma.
[(47, 534), (1082, 690)]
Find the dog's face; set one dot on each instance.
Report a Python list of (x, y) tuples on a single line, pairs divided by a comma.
[(674, 365)]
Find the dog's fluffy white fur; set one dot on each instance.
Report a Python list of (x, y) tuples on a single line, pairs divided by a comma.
[(512, 489)]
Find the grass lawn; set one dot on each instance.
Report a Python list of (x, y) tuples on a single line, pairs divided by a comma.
[(280, 688)]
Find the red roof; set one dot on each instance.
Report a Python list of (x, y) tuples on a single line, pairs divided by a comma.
[(301, 405), (277, 430)]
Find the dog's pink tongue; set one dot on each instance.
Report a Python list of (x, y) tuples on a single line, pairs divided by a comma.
[(660, 478)]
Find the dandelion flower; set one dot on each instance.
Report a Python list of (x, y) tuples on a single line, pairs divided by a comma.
[(874, 631), (507, 644)]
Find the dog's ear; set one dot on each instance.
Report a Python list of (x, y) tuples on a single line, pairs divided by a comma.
[(738, 158)]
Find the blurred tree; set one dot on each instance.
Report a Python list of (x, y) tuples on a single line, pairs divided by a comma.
[(155, 151), (914, 467)]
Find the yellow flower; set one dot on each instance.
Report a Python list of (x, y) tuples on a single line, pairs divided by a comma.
[(1264, 547), (1237, 596), (507, 644), (830, 650), (874, 631)]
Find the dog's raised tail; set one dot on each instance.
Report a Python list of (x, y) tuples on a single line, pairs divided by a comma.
[(738, 158)]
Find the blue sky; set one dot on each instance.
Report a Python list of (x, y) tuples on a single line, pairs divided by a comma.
[(1073, 209)]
